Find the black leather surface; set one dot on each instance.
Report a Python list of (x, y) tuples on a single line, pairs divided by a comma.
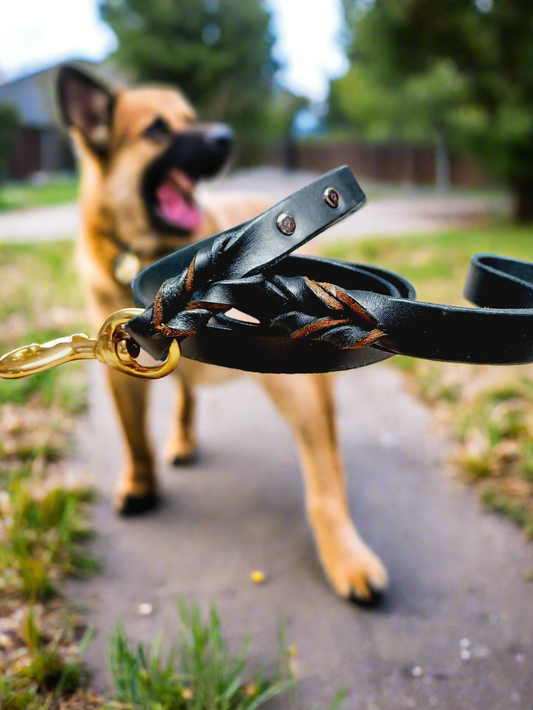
[(320, 314)]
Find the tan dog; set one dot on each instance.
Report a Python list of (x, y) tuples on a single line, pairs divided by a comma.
[(141, 153)]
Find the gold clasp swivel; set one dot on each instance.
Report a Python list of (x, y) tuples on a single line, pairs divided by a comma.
[(110, 347)]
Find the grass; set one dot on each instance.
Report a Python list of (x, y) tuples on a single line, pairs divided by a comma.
[(44, 528), (55, 191), (41, 300), (500, 503), (488, 410), (48, 672), (43, 536), (201, 674)]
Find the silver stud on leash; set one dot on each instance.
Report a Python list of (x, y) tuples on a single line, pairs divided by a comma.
[(286, 223), (332, 197)]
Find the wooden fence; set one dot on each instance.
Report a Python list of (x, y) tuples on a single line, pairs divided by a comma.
[(384, 163)]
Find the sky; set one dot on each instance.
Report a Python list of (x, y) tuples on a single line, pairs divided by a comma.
[(38, 33)]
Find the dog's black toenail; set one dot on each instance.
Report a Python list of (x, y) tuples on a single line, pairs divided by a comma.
[(187, 460), (372, 601), (136, 505)]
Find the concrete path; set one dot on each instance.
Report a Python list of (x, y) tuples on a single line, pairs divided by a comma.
[(456, 630), (392, 214), (40, 224)]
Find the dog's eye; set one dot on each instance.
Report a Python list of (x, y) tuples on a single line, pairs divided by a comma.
[(157, 130)]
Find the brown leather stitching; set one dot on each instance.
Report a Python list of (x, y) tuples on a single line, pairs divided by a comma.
[(321, 291), (218, 307), (368, 340), (348, 301), (158, 312), (321, 324), (172, 333), (190, 276)]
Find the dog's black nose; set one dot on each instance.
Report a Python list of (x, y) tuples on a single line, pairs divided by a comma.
[(224, 142), (220, 136), (203, 151)]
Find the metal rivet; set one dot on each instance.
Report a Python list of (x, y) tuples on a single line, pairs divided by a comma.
[(286, 223), (332, 197)]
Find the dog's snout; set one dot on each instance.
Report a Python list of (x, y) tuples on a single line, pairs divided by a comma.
[(201, 152), (217, 139), (220, 135), (216, 135)]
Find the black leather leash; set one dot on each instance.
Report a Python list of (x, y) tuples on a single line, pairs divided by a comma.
[(316, 314)]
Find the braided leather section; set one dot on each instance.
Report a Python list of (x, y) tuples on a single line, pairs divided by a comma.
[(347, 324), (294, 306)]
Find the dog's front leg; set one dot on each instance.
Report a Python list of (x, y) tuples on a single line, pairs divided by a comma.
[(351, 567), (182, 444), (137, 487)]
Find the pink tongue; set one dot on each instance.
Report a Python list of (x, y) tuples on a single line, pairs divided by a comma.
[(175, 208)]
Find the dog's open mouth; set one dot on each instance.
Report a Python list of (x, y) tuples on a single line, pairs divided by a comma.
[(173, 201), (169, 182)]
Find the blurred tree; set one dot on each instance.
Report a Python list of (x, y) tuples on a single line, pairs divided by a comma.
[(488, 45), (281, 117), (282, 111), (423, 109), (9, 123), (219, 52)]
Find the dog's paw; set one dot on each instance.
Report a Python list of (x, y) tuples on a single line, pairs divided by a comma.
[(355, 572), (368, 589), (129, 505), (183, 453), (360, 577)]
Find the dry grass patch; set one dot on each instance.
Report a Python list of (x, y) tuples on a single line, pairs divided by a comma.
[(44, 527)]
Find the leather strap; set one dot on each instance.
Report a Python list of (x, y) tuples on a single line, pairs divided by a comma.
[(316, 314)]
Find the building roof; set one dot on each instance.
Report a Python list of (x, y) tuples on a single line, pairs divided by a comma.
[(34, 94)]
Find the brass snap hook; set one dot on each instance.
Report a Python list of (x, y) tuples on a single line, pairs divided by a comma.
[(110, 347)]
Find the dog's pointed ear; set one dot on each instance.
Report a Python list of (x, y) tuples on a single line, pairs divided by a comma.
[(86, 105)]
